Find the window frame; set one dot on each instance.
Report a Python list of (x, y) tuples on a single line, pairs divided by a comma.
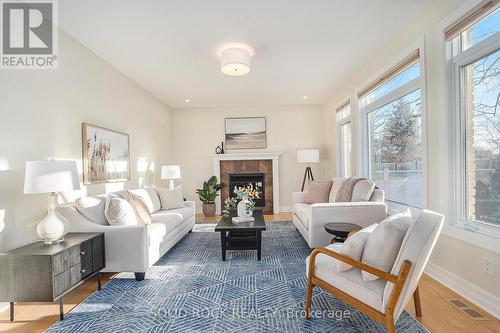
[(363, 136), (458, 135), (340, 142)]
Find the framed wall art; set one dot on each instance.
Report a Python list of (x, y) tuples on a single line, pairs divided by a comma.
[(106, 155), (245, 133)]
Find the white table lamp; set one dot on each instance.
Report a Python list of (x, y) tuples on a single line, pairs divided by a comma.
[(307, 156), (51, 177), (171, 172)]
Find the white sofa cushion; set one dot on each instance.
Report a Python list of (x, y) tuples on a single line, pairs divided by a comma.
[(170, 198), (303, 212), (164, 221), (353, 246), (151, 198), (362, 191), (119, 211), (384, 243), (93, 208), (337, 183), (350, 282), (176, 215), (157, 231)]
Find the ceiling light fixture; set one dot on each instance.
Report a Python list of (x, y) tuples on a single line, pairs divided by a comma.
[(306, 97), (235, 58), (187, 100)]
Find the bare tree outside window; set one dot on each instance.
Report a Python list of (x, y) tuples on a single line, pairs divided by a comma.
[(482, 94), (396, 149)]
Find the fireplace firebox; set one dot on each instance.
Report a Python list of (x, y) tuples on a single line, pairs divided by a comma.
[(257, 180)]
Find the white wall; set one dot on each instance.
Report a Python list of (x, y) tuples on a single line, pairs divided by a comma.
[(41, 112), (196, 133), (459, 257)]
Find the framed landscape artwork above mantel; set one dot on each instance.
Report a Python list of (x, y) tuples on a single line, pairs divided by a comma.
[(245, 133), (106, 155)]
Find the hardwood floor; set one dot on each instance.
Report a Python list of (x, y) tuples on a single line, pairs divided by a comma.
[(439, 315)]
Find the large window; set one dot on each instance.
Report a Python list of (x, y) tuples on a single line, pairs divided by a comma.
[(392, 106), (476, 81), (344, 139)]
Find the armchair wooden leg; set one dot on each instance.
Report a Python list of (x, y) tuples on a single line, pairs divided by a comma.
[(416, 301), (390, 325), (308, 297)]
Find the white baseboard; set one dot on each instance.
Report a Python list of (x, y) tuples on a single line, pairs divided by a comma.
[(480, 297), (286, 209), (3, 306)]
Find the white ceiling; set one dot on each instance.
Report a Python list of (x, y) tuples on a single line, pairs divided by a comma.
[(302, 47)]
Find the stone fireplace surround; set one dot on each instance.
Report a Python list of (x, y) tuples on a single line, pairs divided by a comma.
[(263, 162)]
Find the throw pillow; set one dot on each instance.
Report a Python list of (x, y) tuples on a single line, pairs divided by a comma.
[(353, 246), (362, 191), (140, 207), (318, 192), (150, 197), (337, 183), (92, 208), (384, 243), (119, 211), (171, 198)]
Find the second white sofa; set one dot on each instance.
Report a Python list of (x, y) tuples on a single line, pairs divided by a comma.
[(136, 248), (310, 219)]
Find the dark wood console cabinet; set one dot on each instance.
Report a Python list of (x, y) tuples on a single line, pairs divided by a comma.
[(44, 273)]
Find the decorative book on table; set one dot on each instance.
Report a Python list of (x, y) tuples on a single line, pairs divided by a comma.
[(240, 219)]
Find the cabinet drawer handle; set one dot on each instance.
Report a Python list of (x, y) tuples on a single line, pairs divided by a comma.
[(82, 270), (82, 253)]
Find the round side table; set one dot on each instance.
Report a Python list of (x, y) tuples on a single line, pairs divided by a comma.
[(340, 231)]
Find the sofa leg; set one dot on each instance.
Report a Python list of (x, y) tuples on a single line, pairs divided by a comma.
[(139, 276), (190, 231)]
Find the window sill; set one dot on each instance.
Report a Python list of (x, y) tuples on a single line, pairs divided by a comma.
[(486, 242), (476, 238)]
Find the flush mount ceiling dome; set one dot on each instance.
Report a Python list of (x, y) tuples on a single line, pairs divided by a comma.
[(235, 58)]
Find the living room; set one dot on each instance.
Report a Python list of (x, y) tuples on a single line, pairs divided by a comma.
[(368, 113)]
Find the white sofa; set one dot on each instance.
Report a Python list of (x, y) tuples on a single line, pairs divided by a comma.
[(310, 220), (136, 248)]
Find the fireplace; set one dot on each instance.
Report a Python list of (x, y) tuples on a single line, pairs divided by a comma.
[(243, 172), (257, 180), (251, 166)]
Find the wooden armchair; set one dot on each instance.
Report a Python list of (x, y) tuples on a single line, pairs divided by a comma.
[(385, 298)]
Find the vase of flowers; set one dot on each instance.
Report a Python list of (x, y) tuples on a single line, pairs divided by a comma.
[(246, 195)]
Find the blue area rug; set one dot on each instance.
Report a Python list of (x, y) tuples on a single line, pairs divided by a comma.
[(191, 290)]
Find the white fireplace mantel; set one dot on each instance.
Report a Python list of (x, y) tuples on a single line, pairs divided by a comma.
[(274, 156)]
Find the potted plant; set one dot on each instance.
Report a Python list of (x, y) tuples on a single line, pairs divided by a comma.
[(207, 195)]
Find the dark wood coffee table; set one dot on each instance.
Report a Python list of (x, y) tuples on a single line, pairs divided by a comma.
[(340, 231), (241, 236)]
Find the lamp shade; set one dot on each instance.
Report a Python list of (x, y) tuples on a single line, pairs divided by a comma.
[(308, 155), (170, 172), (235, 58), (50, 176)]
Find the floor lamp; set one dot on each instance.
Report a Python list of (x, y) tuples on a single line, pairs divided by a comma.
[(307, 156)]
